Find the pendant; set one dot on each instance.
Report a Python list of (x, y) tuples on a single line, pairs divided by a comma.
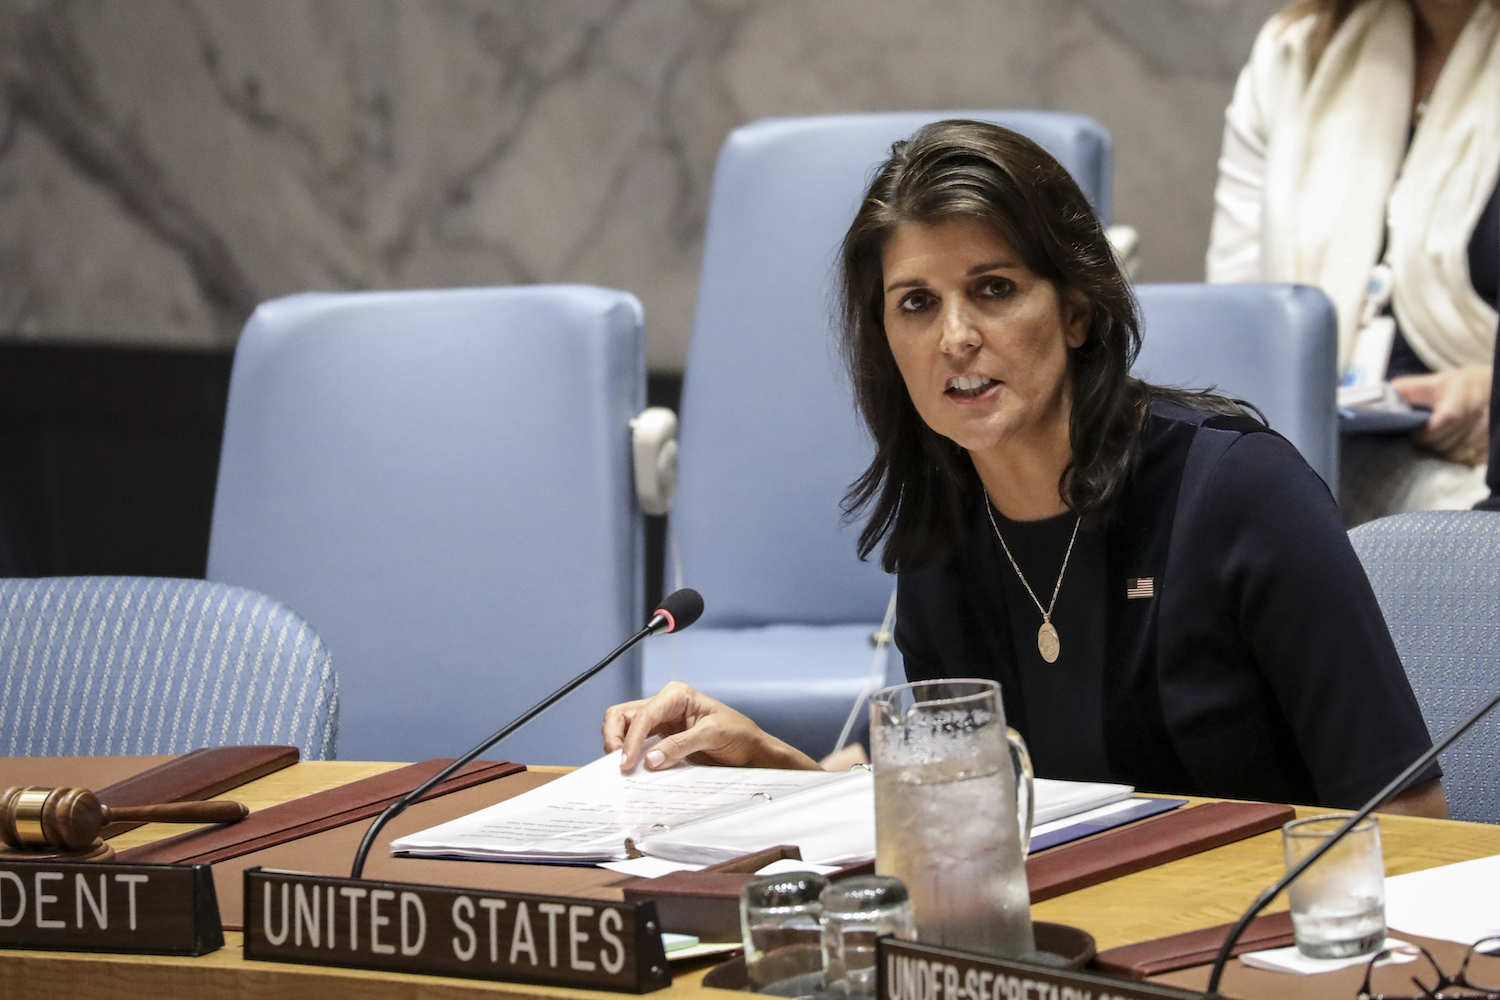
[(1047, 643)]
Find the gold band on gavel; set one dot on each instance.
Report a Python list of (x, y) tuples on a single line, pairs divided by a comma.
[(28, 814)]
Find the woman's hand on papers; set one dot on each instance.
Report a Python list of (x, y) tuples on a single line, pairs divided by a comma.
[(694, 726), (1459, 428)]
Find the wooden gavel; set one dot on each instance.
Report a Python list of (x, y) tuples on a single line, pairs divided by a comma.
[(69, 819)]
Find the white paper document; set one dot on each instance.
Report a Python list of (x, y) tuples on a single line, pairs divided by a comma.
[(586, 815), (695, 815), (1289, 959), (1453, 903), (1057, 800)]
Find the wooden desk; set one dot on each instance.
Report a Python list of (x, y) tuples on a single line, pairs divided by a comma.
[(1214, 887), (1200, 891)]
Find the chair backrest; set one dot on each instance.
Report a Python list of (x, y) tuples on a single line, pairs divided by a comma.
[(441, 482), (1274, 345), (1437, 577), (770, 441), (96, 665)]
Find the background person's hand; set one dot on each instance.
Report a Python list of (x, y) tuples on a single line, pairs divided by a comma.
[(696, 727), (1459, 428)]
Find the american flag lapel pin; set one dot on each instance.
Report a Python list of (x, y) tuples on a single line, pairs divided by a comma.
[(1140, 588)]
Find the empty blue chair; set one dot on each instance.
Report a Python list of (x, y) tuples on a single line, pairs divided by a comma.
[(1437, 577), (770, 440), (1273, 345), (441, 482), (94, 665)]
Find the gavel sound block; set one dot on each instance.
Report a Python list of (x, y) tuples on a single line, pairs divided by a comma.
[(64, 823)]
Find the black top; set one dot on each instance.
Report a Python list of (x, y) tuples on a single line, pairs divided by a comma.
[(1484, 266), (1063, 701), (1255, 665)]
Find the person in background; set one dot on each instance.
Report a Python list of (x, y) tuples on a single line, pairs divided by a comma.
[(1160, 584), (1361, 155)]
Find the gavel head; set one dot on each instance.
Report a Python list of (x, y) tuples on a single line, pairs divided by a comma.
[(49, 819)]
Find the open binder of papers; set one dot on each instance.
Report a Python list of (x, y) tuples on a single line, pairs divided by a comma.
[(587, 816), (695, 815)]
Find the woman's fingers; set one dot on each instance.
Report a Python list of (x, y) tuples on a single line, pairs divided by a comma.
[(1417, 390), (723, 737), (1459, 399), (692, 724), (669, 710), (616, 721), (705, 738)]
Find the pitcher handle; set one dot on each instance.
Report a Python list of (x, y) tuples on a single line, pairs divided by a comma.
[(1025, 801)]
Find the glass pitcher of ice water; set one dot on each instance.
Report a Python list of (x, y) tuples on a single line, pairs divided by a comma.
[(948, 821)]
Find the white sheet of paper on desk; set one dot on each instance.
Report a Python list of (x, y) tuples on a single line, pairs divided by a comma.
[(1087, 816), (785, 865), (585, 815), (833, 824), (648, 867), (1289, 959), (1455, 902), (1057, 800)]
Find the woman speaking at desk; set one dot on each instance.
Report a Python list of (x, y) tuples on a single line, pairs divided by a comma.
[(1160, 584)]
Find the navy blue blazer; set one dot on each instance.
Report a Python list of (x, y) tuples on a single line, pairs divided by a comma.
[(1260, 669)]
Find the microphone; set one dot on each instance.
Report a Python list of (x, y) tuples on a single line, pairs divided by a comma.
[(1396, 787), (678, 610)]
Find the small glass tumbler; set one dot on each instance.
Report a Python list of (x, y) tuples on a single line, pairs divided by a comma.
[(780, 921), (856, 911), (1338, 905)]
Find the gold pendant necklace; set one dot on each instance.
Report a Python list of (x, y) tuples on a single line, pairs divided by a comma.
[(1047, 641)]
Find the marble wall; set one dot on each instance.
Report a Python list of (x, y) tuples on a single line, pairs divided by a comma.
[(166, 164)]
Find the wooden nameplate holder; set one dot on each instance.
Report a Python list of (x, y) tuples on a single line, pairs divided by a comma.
[(448, 931), (103, 906), (706, 904), (1183, 951), (67, 902)]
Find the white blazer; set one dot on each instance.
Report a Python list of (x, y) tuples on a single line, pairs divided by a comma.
[(1314, 170)]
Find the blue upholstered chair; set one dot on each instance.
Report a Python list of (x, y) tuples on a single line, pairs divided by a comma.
[(1274, 345), (93, 665), (770, 441), (441, 482), (1437, 577)]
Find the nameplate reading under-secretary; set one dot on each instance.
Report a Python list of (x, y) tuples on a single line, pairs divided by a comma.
[(102, 906), (447, 931), (909, 971)]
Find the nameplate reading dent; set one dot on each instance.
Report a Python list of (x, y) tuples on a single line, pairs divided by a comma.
[(909, 971), (445, 931), (102, 906)]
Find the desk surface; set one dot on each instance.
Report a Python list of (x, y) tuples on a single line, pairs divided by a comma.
[(1195, 892)]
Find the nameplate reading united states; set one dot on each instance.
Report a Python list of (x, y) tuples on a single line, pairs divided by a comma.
[(101, 906), (446, 931), (909, 971)]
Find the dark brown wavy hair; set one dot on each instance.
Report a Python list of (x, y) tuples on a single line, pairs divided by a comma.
[(921, 487), (1331, 15)]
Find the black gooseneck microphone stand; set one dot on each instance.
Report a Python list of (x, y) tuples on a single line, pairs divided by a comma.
[(1396, 787), (679, 610)]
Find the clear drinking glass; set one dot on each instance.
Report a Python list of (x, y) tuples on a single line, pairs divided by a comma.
[(1338, 905), (946, 813), (856, 911), (780, 922)]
